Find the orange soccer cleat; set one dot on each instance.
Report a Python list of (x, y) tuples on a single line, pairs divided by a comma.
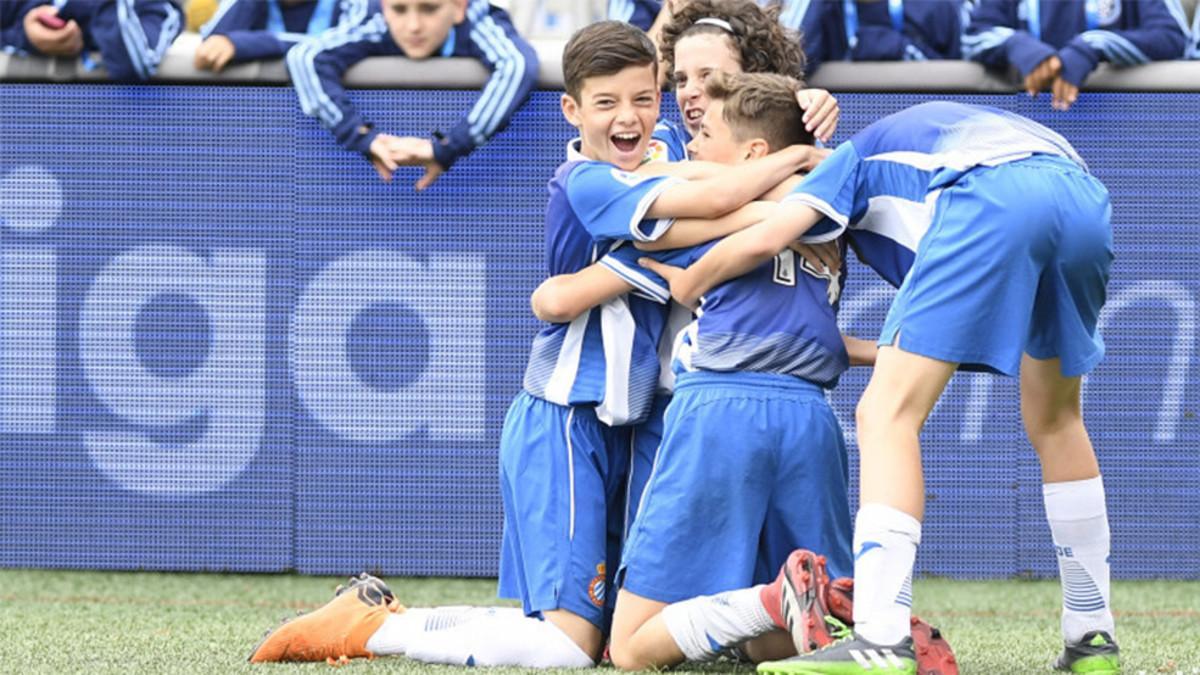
[(336, 632)]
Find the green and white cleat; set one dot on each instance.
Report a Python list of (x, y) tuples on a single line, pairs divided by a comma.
[(851, 655), (1094, 653)]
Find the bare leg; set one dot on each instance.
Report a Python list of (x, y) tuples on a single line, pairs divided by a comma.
[(640, 639), (1051, 409), (581, 631), (902, 392)]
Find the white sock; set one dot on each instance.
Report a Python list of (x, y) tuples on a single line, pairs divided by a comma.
[(505, 638), (885, 548), (400, 629), (1079, 525), (702, 627)]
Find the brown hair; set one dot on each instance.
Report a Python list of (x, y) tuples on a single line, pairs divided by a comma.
[(604, 48), (761, 105), (761, 44)]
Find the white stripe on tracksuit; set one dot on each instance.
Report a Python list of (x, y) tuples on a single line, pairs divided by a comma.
[(145, 59)]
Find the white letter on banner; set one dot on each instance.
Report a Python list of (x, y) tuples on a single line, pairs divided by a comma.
[(449, 295), (1179, 298), (30, 203), (226, 392)]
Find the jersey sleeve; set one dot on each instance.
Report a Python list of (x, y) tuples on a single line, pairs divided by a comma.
[(612, 204), (1155, 35), (236, 15), (831, 189), (623, 261), (992, 38), (316, 66), (254, 45), (491, 38)]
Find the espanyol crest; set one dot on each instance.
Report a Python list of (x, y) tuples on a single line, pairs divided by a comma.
[(1108, 11)]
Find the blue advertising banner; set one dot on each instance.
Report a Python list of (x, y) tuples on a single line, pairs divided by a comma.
[(225, 344)]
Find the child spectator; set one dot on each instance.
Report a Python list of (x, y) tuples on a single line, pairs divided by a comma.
[(904, 30), (1055, 44), (251, 30), (418, 29), (131, 35)]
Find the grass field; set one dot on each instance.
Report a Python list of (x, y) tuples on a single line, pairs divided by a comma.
[(97, 622)]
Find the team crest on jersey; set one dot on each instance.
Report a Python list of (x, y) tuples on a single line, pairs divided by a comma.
[(596, 586), (1108, 11), (656, 151)]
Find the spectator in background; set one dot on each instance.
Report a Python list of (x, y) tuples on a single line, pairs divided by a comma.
[(904, 30), (1055, 44), (251, 30), (418, 29), (640, 13), (561, 18), (131, 35)]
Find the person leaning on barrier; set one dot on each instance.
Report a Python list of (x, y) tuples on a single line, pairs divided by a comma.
[(251, 30), (1055, 44), (131, 35), (418, 29)]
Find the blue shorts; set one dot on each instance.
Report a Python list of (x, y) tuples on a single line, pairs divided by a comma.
[(1016, 261), (562, 476), (752, 466)]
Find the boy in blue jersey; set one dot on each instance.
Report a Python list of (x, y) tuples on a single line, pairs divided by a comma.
[(131, 35), (1000, 242), (417, 29), (251, 30), (1055, 44), (559, 461)]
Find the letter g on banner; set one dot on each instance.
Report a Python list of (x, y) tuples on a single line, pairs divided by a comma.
[(220, 389), (447, 295)]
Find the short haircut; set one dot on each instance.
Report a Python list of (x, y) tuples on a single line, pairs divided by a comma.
[(605, 48), (761, 105)]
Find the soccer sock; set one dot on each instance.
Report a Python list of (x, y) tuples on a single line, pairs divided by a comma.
[(702, 627), (505, 637), (885, 548), (1079, 525), (400, 629)]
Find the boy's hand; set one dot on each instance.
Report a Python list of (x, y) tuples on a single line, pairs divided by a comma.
[(827, 255), (214, 53), (1064, 94), (65, 41), (381, 156), (1041, 77), (821, 112), (678, 279), (412, 151)]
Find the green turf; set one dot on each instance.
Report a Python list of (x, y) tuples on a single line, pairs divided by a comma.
[(95, 622)]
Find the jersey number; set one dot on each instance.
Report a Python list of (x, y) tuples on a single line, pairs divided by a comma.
[(785, 273)]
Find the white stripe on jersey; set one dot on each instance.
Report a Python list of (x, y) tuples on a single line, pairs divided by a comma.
[(571, 474), (901, 220), (678, 320), (562, 380), (617, 330)]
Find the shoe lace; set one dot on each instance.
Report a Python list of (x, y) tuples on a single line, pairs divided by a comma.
[(838, 628)]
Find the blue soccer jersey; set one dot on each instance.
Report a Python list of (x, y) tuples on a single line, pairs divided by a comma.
[(779, 318), (608, 356), (883, 184), (673, 138)]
